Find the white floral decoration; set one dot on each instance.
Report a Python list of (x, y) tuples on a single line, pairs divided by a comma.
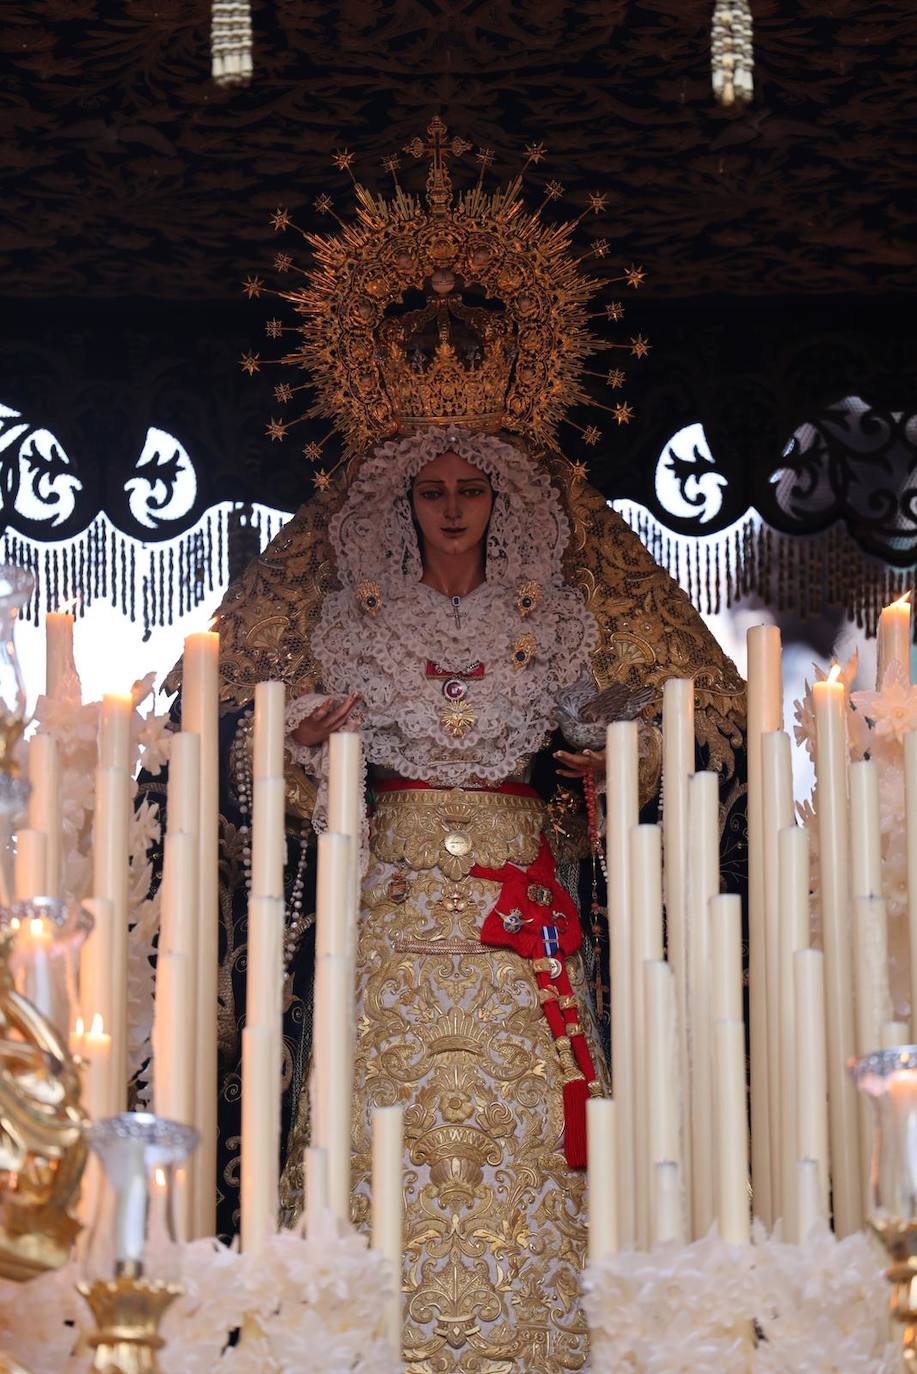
[(310, 1305), (766, 1308)]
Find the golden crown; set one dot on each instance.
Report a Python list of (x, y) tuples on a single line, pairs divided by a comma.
[(469, 309)]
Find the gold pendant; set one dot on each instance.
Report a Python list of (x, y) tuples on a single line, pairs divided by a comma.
[(457, 719)]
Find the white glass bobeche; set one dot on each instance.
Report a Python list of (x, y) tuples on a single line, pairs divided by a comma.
[(135, 1232)]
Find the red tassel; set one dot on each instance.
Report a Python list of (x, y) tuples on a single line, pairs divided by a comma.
[(576, 1095)]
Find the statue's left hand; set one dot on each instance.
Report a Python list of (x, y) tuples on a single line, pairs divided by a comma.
[(580, 765)]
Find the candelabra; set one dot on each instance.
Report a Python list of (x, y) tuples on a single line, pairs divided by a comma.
[(133, 1258), (889, 1079)]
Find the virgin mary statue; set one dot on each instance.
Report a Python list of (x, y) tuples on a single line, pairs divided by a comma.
[(460, 595)]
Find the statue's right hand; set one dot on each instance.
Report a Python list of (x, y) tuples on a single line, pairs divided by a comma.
[(324, 721)]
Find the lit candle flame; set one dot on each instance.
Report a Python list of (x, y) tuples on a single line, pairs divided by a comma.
[(160, 1177), (904, 600), (37, 928), (98, 1025), (834, 673), (79, 1028), (68, 607)]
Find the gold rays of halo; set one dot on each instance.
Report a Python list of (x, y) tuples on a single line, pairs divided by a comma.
[(356, 365)]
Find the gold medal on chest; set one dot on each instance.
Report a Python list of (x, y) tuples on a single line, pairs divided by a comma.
[(457, 718)]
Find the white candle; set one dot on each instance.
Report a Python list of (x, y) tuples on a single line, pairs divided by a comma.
[(33, 945), (765, 713), (268, 837), (98, 1086), (894, 1034), (61, 680), (115, 749), (268, 807), (601, 1131), (259, 1164), (793, 866), (910, 795), (388, 1208), (703, 885), (833, 840), (334, 880), (173, 1067), (666, 1211), (873, 1003), (264, 997), (200, 714), (270, 708), (183, 808), (110, 880), (31, 867), (865, 835), (660, 1061), (96, 993), (677, 766), (776, 814), (811, 1064), (810, 1205), (332, 1067), (315, 1186), (893, 639), (726, 957), (622, 814), (646, 928), (45, 804), (345, 801), (130, 1184), (731, 1132)]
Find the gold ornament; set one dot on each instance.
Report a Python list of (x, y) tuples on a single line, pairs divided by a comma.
[(369, 597), (457, 719), (501, 339), (523, 651), (528, 599)]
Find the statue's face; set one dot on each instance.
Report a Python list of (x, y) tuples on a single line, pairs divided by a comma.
[(452, 501)]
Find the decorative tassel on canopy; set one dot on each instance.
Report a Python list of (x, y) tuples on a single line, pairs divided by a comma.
[(732, 52), (151, 584), (806, 574), (231, 42)]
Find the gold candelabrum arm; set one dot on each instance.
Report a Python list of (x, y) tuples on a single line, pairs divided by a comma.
[(42, 1139)]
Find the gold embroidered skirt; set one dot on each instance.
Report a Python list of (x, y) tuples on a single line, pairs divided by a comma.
[(495, 1227)]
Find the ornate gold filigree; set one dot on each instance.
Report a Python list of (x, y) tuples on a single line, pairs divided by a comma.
[(494, 1223), (454, 830), (511, 361)]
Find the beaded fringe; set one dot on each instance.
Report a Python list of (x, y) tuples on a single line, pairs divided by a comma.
[(156, 584), (805, 574), (153, 584)]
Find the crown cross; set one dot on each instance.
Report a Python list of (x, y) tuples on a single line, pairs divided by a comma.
[(437, 148)]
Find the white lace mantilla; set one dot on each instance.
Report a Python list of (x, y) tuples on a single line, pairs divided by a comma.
[(511, 709)]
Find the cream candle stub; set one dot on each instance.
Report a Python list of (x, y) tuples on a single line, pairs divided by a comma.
[(45, 804), (60, 668), (830, 698), (200, 715), (601, 1130), (621, 815), (893, 639), (677, 767), (388, 1207), (765, 713)]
